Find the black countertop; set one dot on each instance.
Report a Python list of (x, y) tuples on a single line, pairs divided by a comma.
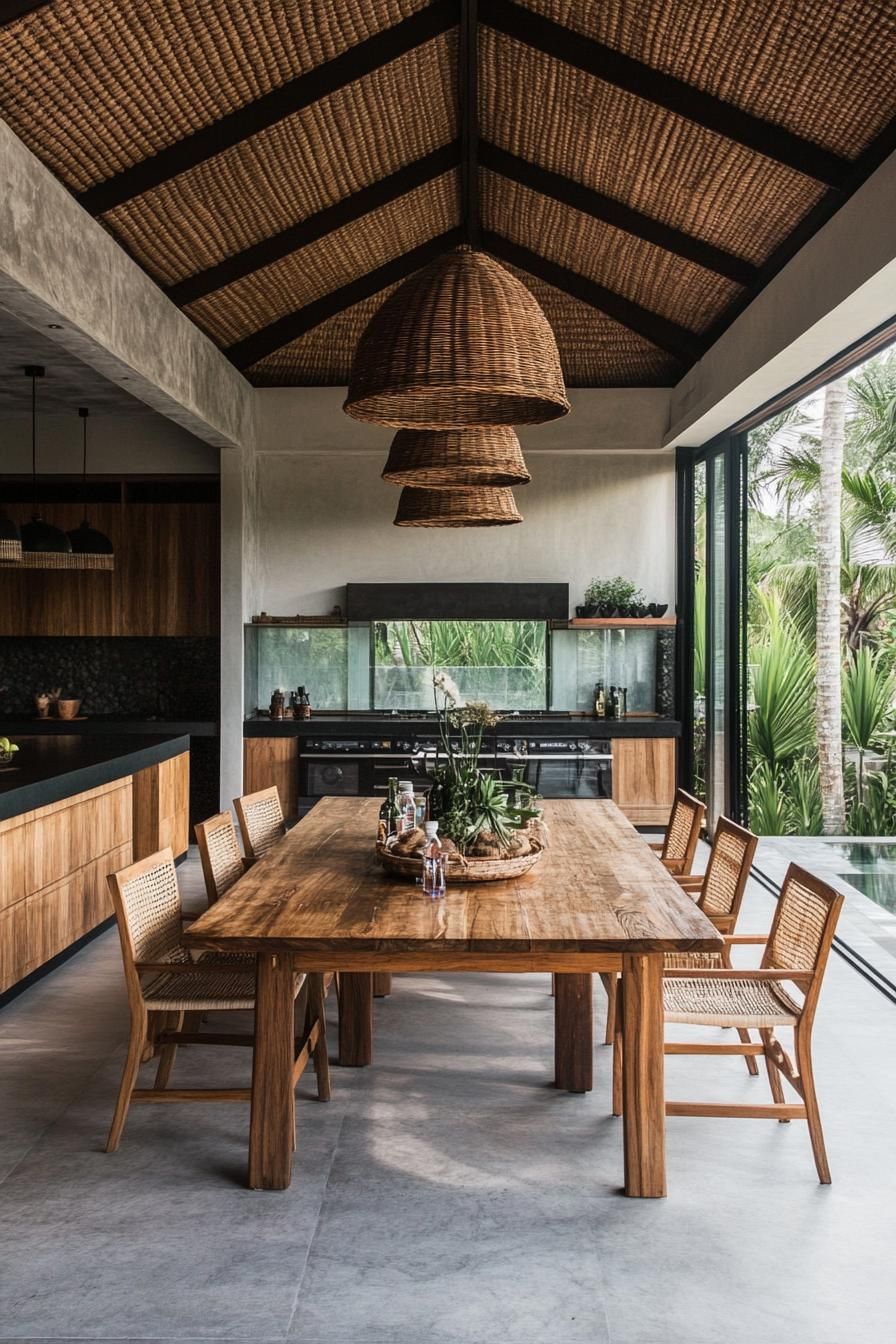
[(51, 767), (545, 725), (12, 725)]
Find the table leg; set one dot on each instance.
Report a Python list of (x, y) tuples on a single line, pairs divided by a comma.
[(644, 1106), (273, 1122), (382, 984), (355, 1018), (573, 1034)]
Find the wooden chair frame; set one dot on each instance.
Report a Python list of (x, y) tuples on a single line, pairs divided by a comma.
[(205, 832), (797, 1072), (681, 865), (158, 1033), (243, 806)]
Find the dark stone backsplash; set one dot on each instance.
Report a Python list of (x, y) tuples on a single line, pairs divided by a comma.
[(171, 678)]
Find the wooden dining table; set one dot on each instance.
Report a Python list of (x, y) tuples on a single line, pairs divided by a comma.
[(598, 900)]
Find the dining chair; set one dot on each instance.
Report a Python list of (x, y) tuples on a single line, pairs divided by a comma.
[(679, 844), (163, 983), (261, 821), (219, 854), (782, 992)]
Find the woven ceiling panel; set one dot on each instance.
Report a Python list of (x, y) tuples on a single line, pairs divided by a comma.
[(820, 68), (649, 275), (636, 152), (301, 165), (94, 86), (322, 357), (343, 255)]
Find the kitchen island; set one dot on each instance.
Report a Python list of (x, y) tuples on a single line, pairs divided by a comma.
[(72, 810)]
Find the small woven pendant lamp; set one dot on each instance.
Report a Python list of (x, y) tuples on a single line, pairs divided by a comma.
[(485, 506), (438, 459), (461, 343)]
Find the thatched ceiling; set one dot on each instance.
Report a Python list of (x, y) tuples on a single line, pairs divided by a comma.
[(645, 166)]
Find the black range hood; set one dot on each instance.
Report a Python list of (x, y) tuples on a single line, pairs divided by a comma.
[(457, 601)]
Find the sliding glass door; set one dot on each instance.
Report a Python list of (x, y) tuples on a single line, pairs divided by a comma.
[(712, 670)]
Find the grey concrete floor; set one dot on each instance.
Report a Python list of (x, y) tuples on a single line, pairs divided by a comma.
[(448, 1194)]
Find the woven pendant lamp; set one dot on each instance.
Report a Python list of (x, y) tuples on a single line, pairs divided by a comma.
[(10, 540), (436, 459), (488, 506), (462, 343), (43, 545)]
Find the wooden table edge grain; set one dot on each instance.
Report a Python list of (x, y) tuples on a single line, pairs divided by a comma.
[(600, 902)]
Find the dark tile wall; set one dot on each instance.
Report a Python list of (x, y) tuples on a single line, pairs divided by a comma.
[(174, 678)]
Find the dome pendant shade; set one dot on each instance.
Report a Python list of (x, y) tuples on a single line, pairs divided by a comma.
[(93, 548), (486, 507), (45, 546), (434, 459), (460, 344), (10, 541)]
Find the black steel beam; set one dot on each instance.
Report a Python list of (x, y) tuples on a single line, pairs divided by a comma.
[(611, 211), (309, 230), (272, 107), (263, 342), (660, 331), (725, 119)]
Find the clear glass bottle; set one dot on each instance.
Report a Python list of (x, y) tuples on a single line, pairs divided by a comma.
[(407, 807), (433, 863)]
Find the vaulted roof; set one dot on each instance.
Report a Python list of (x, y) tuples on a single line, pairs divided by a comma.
[(645, 166)]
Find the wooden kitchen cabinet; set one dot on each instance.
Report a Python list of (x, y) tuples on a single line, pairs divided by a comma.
[(273, 760), (165, 581), (644, 774)]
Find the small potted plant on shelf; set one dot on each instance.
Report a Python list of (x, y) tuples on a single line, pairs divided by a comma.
[(7, 751), (613, 597)]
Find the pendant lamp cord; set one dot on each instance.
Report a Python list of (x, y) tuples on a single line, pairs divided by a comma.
[(83, 412), (34, 441), (468, 100)]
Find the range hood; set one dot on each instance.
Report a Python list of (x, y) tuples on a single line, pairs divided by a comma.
[(457, 601)]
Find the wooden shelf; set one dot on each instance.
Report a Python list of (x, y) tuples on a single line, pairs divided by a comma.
[(622, 622)]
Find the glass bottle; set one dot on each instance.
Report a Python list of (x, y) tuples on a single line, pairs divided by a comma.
[(600, 707), (611, 704), (303, 704), (407, 807), (389, 809), (433, 863)]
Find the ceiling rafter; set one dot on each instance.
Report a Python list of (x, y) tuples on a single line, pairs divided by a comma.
[(358, 61), (645, 81), (599, 206), (10, 10), (266, 340), (660, 331), (316, 226)]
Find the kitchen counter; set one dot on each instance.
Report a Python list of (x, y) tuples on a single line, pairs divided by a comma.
[(547, 725), (50, 767), (13, 725)]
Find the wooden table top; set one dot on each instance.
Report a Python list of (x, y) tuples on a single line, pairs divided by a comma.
[(599, 888)]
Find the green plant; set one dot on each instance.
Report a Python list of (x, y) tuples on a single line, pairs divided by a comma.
[(874, 813), (618, 592), (781, 724), (868, 689), (803, 799), (768, 806)]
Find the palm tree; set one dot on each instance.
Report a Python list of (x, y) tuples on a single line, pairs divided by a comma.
[(828, 713)]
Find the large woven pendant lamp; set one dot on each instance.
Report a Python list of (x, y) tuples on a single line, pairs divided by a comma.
[(461, 343), (43, 546), (484, 506), (434, 459), (92, 548)]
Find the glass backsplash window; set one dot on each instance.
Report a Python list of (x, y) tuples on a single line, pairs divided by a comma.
[(616, 657), (284, 657), (504, 663)]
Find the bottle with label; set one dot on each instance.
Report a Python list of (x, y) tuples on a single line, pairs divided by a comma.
[(612, 704), (389, 809), (407, 807), (600, 705), (303, 704), (433, 863), (624, 707)]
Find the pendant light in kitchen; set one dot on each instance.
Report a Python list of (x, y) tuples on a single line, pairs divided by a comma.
[(91, 548), (10, 540), (43, 546)]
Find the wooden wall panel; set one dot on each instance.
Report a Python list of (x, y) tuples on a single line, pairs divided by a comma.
[(165, 581), (273, 760), (644, 778)]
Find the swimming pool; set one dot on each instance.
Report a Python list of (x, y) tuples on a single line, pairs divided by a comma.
[(870, 867)]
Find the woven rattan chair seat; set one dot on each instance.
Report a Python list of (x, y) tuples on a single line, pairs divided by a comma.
[(233, 988), (683, 961), (729, 1003)]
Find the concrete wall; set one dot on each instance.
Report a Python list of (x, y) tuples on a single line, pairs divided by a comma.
[(124, 444)]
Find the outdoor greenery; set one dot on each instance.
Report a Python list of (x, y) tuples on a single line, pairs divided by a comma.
[(785, 505), (438, 644)]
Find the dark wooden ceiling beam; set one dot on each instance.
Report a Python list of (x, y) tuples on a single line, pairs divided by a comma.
[(346, 211), (660, 331), (10, 10), (610, 211), (267, 339), (605, 63), (272, 107)]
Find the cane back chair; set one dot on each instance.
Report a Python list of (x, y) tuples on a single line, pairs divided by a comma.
[(219, 853), (261, 821), (783, 992), (164, 983), (679, 845)]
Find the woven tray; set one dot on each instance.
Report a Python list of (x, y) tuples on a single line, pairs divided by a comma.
[(461, 870)]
